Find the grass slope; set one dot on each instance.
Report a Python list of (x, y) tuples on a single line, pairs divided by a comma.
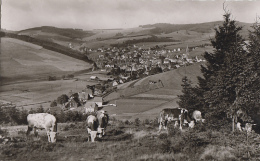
[(22, 61)]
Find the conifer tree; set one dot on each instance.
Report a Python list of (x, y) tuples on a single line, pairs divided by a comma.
[(220, 75), (190, 97), (249, 89)]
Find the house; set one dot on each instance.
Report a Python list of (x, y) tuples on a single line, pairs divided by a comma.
[(83, 97), (115, 83), (97, 100), (94, 78), (91, 107), (73, 101)]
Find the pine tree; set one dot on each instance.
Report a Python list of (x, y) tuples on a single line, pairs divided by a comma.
[(249, 89), (221, 73), (190, 97)]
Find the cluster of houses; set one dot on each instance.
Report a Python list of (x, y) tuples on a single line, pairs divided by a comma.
[(134, 58), (86, 98)]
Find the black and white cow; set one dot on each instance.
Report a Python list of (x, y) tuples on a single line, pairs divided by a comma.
[(179, 115), (92, 127), (102, 118), (244, 125)]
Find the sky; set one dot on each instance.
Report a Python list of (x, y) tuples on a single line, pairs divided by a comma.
[(107, 14)]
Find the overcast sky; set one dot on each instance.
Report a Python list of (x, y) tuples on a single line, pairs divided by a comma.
[(101, 14)]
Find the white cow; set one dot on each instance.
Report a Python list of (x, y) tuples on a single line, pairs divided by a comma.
[(196, 115), (43, 121)]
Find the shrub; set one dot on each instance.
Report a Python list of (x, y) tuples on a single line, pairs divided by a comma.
[(127, 122), (52, 78), (146, 122), (40, 109), (53, 103), (218, 153), (137, 122), (165, 146)]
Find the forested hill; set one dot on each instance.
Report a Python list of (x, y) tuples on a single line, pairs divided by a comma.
[(49, 45), (206, 27)]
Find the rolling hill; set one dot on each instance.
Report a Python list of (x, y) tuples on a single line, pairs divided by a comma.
[(25, 61), (190, 34)]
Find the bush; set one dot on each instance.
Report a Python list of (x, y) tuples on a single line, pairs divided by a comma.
[(218, 153), (52, 78), (165, 147), (137, 122), (53, 103)]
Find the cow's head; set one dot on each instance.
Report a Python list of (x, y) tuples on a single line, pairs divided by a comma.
[(185, 115), (93, 135), (52, 136), (191, 124), (101, 132)]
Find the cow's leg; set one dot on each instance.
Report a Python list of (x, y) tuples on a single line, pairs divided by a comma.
[(160, 120), (175, 124), (180, 124), (104, 131), (89, 135), (48, 134), (35, 132), (165, 124), (160, 127), (239, 126), (28, 132), (180, 118)]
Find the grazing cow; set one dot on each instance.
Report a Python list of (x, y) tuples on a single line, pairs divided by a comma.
[(178, 115), (103, 118), (242, 125), (245, 126), (196, 115), (43, 121), (92, 125)]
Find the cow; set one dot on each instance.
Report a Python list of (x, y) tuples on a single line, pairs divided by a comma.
[(242, 125), (245, 126), (43, 121), (179, 115), (196, 115), (103, 118), (92, 126)]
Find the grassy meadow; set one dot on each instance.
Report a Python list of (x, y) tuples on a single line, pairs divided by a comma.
[(137, 140)]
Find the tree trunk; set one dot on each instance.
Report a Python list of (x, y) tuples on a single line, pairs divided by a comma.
[(233, 123)]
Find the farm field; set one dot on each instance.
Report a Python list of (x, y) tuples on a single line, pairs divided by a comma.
[(126, 109), (34, 94)]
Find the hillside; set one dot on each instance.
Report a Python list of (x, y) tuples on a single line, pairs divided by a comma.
[(149, 104), (190, 34), (25, 61)]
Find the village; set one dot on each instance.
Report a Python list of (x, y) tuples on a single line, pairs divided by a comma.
[(123, 65)]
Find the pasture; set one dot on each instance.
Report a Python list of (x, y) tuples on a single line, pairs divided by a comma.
[(39, 93), (136, 140)]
